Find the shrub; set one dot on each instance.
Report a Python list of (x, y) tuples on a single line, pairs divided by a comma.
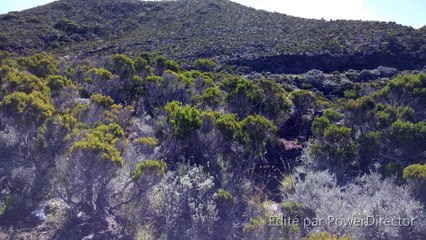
[(151, 167), (403, 87), (332, 114), (14, 80), (104, 101), (337, 135), (205, 65), (148, 141), (319, 125), (229, 126), (415, 172), (68, 26), (183, 120), (100, 74), (33, 106), (123, 65), (257, 129), (412, 136), (140, 64), (212, 96), (57, 82), (172, 65), (41, 65), (160, 62), (102, 140), (154, 79)]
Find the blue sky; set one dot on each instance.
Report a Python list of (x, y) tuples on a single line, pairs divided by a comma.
[(406, 12)]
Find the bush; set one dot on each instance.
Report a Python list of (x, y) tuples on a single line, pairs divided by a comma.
[(123, 65), (33, 106), (141, 64), (101, 100), (183, 120), (57, 82), (205, 65), (148, 141), (151, 167), (172, 66), (337, 135), (100, 74), (416, 172), (399, 90), (41, 65), (411, 136), (69, 26), (229, 126), (332, 114), (102, 140), (212, 96), (319, 125), (257, 130)]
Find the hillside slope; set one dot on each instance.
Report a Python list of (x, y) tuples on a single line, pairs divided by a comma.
[(221, 29)]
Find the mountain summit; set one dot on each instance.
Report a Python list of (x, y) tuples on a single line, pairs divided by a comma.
[(221, 29)]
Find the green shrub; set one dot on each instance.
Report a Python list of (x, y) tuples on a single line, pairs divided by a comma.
[(332, 114), (102, 140), (255, 228), (404, 86), (411, 136), (212, 96), (68, 26), (123, 65), (104, 101), (229, 126), (335, 134), (319, 125), (33, 106), (172, 66), (362, 109), (57, 82), (205, 65), (41, 65), (140, 64), (369, 144), (147, 141), (161, 63), (415, 172), (100, 74), (14, 80), (154, 79), (257, 129), (183, 120), (151, 167), (287, 185)]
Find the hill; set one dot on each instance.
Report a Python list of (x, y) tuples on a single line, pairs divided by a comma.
[(220, 29)]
